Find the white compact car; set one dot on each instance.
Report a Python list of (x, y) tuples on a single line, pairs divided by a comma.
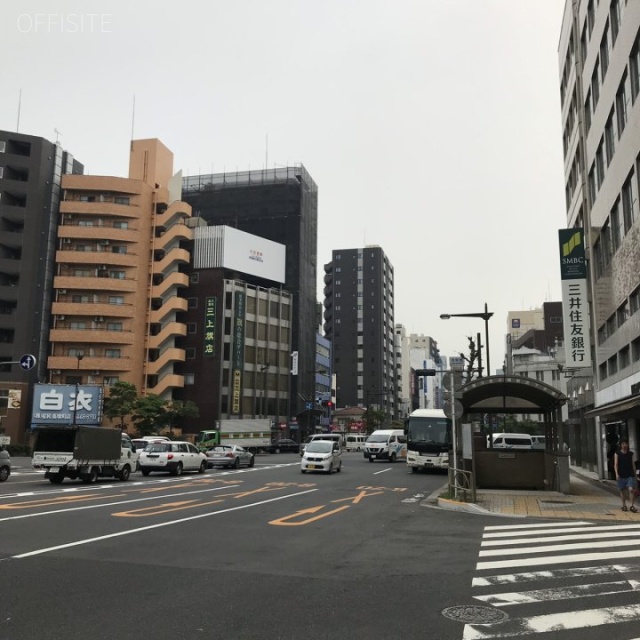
[(322, 455), (174, 457)]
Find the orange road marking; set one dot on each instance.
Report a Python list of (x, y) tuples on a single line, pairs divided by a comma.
[(286, 520), (358, 498), (49, 502)]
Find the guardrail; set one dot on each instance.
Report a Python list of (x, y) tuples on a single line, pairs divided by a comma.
[(462, 484)]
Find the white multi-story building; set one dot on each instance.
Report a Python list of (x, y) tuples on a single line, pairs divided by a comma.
[(599, 68)]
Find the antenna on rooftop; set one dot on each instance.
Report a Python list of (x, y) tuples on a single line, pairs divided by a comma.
[(58, 134), (266, 152), (133, 115), (19, 105)]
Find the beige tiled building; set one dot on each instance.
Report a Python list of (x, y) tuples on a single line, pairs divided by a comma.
[(121, 245)]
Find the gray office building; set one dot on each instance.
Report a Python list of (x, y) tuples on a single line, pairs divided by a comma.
[(31, 169), (359, 321)]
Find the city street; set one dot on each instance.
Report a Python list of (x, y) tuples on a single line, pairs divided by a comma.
[(269, 552)]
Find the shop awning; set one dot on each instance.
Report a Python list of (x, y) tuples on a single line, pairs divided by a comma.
[(618, 406)]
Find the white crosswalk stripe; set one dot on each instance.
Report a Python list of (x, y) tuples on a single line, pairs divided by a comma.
[(569, 576)]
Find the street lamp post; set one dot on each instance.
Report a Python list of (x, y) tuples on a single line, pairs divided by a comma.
[(75, 400), (263, 370), (485, 316)]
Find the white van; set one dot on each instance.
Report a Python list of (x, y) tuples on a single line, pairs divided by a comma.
[(512, 441), (386, 444), (355, 441)]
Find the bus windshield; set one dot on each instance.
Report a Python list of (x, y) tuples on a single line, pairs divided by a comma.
[(431, 434)]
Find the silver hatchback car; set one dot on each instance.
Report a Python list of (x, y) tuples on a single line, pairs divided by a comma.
[(229, 455), (322, 455)]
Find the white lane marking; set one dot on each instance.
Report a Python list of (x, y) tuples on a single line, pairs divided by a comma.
[(377, 473), (583, 536), (575, 572), (515, 534), (559, 593), (502, 527), (554, 622), (157, 526), (114, 504), (544, 560), (550, 548)]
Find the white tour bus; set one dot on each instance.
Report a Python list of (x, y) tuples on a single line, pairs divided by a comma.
[(428, 439)]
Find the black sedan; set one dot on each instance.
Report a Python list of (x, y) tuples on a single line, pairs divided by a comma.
[(284, 445)]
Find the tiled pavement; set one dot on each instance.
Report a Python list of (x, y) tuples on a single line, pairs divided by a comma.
[(589, 499)]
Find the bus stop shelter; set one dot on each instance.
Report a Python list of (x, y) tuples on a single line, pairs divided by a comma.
[(546, 469)]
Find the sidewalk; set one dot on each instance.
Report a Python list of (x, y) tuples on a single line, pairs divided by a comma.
[(590, 499)]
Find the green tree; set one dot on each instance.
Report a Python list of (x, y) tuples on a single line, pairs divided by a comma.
[(150, 414), (120, 402), (373, 419), (177, 410)]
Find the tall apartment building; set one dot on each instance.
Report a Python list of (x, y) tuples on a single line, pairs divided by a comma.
[(280, 205), (359, 321), (31, 170), (599, 65), (120, 261)]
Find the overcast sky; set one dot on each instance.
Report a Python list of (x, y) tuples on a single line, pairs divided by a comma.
[(432, 127)]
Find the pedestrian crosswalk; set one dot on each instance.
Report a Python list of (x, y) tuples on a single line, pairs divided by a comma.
[(559, 577)]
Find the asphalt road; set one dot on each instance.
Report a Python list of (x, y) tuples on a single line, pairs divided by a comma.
[(256, 553)]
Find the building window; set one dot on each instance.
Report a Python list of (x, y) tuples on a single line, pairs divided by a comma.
[(540, 376), (122, 199), (587, 111), (610, 139), (634, 68), (192, 327), (617, 230), (622, 313), (600, 163), (634, 301), (590, 16), (604, 52), (602, 371), (605, 235), (192, 303), (621, 106), (114, 326), (112, 353), (595, 85), (629, 201), (592, 183), (635, 350), (117, 275), (189, 379), (190, 353), (3, 146), (623, 358), (116, 299), (118, 224), (555, 376), (612, 365), (614, 16)]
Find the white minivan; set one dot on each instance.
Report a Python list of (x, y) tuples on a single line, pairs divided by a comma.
[(355, 441), (512, 441), (386, 444), (332, 437)]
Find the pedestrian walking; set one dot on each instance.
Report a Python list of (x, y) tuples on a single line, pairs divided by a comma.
[(625, 475)]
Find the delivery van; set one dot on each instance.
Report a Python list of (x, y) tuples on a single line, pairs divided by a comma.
[(386, 444), (355, 441), (512, 441)]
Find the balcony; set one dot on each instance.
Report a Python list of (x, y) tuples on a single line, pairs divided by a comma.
[(166, 358), (166, 383), (169, 332), (176, 211), (171, 281)]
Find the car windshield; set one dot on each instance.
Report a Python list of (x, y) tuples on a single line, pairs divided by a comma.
[(158, 447), (319, 446), (220, 449), (377, 438)]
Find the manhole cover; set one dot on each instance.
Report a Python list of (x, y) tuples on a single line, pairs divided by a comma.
[(474, 614)]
